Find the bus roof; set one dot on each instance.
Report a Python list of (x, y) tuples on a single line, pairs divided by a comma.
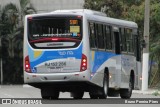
[(100, 17), (95, 16), (86, 11)]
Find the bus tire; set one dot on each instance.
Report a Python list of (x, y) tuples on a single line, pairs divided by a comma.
[(77, 94), (113, 93), (49, 94), (55, 94), (45, 94), (126, 93), (93, 96), (104, 89)]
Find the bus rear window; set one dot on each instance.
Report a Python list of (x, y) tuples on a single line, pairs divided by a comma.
[(64, 32)]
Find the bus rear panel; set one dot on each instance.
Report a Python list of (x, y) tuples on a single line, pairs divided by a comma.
[(54, 50)]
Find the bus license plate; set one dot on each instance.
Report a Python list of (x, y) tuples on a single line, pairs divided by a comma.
[(56, 64)]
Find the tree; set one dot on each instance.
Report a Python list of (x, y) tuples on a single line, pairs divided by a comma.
[(93, 4), (12, 18), (10, 22), (155, 35), (113, 8), (134, 13), (25, 8)]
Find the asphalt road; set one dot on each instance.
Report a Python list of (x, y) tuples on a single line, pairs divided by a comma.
[(25, 91), (21, 92)]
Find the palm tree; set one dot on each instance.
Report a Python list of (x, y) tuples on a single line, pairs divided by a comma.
[(25, 8), (13, 17), (11, 27), (10, 21)]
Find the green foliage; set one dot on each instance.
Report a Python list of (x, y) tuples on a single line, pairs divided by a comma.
[(135, 13), (11, 32), (93, 4), (113, 8), (156, 93), (155, 35)]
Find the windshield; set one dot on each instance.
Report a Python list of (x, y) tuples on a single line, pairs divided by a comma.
[(55, 32)]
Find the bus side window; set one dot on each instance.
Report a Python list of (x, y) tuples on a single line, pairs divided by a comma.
[(123, 40), (104, 36), (120, 38), (129, 40), (96, 35), (91, 35), (100, 37), (108, 37)]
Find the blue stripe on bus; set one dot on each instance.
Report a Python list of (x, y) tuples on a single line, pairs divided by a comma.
[(51, 55), (98, 58)]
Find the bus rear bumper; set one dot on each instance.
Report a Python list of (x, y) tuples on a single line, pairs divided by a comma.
[(56, 77), (65, 86)]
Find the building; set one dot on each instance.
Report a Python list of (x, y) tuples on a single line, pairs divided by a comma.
[(50, 5)]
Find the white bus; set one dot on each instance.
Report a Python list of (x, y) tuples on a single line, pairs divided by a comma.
[(81, 51)]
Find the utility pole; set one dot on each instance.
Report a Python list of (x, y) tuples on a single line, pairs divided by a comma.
[(145, 67)]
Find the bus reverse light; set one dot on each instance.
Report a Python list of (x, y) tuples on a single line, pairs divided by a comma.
[(140, 78), (110, 76), (83, 63), (27, 65)]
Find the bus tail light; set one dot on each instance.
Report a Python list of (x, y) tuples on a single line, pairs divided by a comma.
[(27, 65), (83, 62)]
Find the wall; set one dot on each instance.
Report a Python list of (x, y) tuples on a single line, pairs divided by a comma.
[(50, 5)]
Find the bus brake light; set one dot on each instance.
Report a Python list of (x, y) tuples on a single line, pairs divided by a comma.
[(83, 63), (79, 16), (27, 65)]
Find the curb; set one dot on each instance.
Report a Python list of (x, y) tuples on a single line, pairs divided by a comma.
[(147, 92)]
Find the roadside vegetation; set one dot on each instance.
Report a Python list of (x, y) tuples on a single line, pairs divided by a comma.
[(11, 34)]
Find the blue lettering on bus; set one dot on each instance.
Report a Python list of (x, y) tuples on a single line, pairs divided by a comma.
[(100, 58)]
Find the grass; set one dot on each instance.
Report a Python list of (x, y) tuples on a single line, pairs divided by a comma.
[(156, 93)]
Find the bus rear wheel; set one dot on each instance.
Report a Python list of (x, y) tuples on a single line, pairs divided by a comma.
[(104, 89), (49, 94), (126, 93), (77, 94), (93, 96)]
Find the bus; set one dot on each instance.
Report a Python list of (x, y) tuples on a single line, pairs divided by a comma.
[(81, 51)]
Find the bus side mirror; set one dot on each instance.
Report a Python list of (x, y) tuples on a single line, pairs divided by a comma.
[(143, 44)]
